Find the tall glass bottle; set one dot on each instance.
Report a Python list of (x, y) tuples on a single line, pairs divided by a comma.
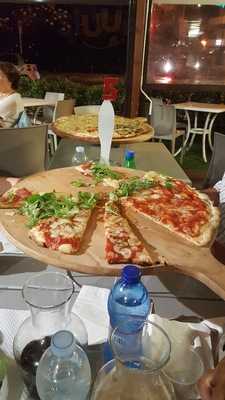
[(48, 296)]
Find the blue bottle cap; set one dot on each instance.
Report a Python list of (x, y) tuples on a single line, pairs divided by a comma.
[(62, 344), (131, 274), (129, 154)]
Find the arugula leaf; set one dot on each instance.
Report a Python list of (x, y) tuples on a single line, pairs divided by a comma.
[(37, 206), (79, 183), (168, 184), (126, 188), (101, 171), (87, 200)]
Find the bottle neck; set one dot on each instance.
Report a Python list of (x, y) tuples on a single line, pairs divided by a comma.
[(49, 321)]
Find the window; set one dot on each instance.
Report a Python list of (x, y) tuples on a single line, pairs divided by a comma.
[(186, 42)]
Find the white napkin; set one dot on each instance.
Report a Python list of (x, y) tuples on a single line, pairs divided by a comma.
[(90, 306), (7, 247)]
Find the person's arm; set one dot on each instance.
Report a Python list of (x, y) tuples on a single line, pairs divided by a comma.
[(8, 107), (212, 384), (213, 195)]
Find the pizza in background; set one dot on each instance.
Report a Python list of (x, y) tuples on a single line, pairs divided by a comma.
[(86, 126)]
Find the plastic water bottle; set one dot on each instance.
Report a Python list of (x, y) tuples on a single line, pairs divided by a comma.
[(128, 298), (129, 159), (64, 371), (79, 156)]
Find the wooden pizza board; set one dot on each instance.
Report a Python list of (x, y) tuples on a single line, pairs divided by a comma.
[(137, 139), (181, 255)]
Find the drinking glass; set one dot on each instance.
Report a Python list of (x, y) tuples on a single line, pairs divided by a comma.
[(136, 372), (184, 373)]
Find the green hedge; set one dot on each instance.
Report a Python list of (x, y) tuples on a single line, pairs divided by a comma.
[(83, 94)]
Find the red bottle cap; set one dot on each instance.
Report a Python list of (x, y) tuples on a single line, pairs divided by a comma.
[(109, 90)]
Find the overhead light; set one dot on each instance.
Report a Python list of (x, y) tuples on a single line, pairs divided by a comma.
[(194, 28), (204, 42), (197, 65), (219, 42), (168, 66)]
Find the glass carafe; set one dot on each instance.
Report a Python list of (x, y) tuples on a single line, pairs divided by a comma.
[(137, 370), (48, 296)]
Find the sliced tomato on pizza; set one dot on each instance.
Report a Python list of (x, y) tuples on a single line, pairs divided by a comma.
[(14, 198), (122, 245)]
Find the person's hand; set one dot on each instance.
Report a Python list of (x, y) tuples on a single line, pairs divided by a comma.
[(213, 195), (212, 384)]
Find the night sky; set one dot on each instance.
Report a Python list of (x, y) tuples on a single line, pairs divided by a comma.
[(65, 38)]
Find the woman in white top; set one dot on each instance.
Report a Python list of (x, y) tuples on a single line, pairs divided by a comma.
[(11, 104)]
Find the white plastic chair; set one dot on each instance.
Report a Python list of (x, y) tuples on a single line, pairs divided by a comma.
[(79, 110), (62, 109), (48, 111), (163, 120)]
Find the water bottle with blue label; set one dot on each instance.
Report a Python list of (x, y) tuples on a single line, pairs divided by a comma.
[(128, 298)]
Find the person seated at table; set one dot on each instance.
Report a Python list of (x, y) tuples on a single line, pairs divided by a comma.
[(11, 105), (212, 384)]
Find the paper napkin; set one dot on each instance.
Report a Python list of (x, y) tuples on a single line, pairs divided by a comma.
[(6, 247)]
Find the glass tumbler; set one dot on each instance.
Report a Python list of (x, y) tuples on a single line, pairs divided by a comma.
[(137, 370)]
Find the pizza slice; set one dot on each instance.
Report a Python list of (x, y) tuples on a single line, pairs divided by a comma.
[(176, 206), (101, 173), (62, 234), (122, 245), (14, 198)]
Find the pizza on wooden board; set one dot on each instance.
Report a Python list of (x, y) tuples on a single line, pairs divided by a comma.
[(86, 126), (14, 198), (122, 245), (174, 205), (58, 221)]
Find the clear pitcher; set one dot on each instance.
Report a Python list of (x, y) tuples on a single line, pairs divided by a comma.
[(136, 372), (48, 296)]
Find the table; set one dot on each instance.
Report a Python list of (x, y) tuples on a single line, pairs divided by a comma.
[(34, 102), (149, 156), (212, 110)]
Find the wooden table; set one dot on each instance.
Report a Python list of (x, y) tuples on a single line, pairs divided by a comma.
[(149, 156), (35, 102), (211, 110)]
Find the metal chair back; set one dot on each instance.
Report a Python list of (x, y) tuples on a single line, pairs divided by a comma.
[(63, 108), (23, 151)]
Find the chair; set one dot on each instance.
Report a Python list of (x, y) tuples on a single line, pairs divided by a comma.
[(23, 151), (216, 167), (48, 111), (79, 110), (63, 108), (163, 120)]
